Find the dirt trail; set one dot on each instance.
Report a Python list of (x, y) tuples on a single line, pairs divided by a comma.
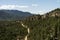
[(26, 37)]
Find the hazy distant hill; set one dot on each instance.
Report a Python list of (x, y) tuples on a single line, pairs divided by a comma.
[(13, 14)]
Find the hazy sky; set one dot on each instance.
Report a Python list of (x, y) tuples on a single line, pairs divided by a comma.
[(34, 6)]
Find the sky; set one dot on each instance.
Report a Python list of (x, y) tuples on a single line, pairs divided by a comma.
[(33, 6)]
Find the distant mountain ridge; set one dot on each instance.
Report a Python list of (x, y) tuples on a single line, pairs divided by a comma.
[(19, 15), (13, 15)]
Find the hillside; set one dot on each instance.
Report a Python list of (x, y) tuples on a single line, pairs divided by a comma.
[(12, 30), (13, 15), (40, 27), (45, 27)]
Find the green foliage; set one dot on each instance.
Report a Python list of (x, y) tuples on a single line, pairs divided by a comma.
[(11, 30), (43, 29)]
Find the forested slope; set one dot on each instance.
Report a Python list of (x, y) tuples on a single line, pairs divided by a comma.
[(47, 27), (12, 30)]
